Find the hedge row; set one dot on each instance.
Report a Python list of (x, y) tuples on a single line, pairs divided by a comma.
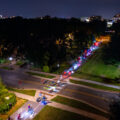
[(7, 100)]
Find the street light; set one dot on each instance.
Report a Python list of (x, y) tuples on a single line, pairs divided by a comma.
[(58, 81), (58, 65), (10, 58)]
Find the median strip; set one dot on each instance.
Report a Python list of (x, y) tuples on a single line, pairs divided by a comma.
[(41, 75), (94, 85)]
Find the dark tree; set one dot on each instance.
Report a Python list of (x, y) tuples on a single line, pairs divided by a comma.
[(115, 110)]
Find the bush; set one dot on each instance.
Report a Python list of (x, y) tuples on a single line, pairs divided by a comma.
[(115, 110), (7, 100), (19, 62), (2, 61), (46, 69)]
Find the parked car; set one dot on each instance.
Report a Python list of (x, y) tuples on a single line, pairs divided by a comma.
[(38, 99)]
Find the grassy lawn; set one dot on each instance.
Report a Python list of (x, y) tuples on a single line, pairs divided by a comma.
[(78, 104), (7, 68), (51, 113), (2, 61), (94, 85), (18, 104), (95, 78), (27, 92), (95, 69), (61, 68), (87, 76), (19, 62), (41, 75)]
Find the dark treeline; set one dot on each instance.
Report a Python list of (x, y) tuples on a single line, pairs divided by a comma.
[(114, 110), (36, 38), (112, 50)]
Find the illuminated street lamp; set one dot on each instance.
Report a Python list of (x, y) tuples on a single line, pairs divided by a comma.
[(58, 65), (10, 58)]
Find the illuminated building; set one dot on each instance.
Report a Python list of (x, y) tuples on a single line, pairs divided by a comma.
[(84, 19), (103, 39), (92, 18), (110, 23), (116, 17), (1, 17)]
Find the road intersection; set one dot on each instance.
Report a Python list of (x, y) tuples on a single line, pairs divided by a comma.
[(95, 97)]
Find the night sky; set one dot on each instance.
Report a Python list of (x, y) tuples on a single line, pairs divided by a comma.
[(59, 8)]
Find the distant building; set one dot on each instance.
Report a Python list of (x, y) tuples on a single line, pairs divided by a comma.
[(1, 17), (116, 18), (110, 23), (103, 39), (92, 18), (12, 17), (84, 19)]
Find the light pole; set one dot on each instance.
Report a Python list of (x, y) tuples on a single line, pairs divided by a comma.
[(58, 81), (10, 59), (58, 65)]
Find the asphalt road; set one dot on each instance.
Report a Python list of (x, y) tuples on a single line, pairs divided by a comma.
[(98, 98), (95, 97), (19, 79)]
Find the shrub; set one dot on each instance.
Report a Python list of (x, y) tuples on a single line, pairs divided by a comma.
[(19, 62), (46, 69), (7, 100)]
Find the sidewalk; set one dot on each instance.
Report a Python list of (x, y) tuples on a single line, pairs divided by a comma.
[(33, 98), (23, 96), (49, 97), (25, 114), (78, 111), (38, 107)]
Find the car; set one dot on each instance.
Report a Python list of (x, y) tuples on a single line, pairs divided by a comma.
[(65, 72), (38, 99)]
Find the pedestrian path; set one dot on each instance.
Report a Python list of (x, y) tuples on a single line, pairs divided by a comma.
[(25, 113), (78, 111), (33, 98), (37, 107), (46, 94), (23, 96)]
